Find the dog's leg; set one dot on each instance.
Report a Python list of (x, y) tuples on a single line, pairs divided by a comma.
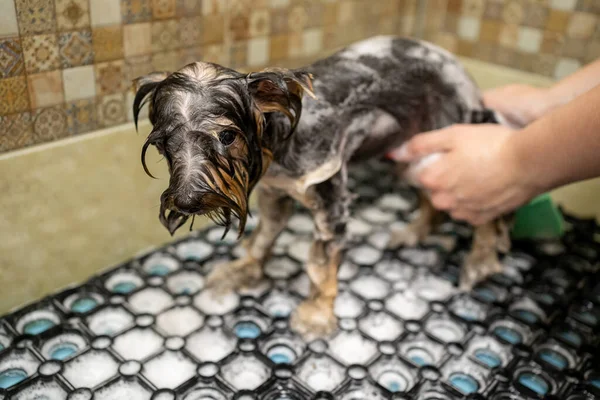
[(418, 229), (483, 260), (330, 201), (275, 209)]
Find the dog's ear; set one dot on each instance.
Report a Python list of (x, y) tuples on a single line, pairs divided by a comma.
[(143, 87), (280, 90)]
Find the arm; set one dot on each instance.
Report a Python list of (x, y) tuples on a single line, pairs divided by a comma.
[(487, 170)]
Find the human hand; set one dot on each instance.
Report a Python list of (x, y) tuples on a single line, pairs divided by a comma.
[(519, 104), (476, 176)]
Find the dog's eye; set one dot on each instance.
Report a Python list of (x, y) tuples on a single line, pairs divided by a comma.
[(227, 137)]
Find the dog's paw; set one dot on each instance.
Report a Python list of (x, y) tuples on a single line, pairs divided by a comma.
[(478, 267), (245, 272), (314, 319)]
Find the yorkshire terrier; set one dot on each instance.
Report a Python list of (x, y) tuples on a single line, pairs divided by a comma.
[(223, 132)]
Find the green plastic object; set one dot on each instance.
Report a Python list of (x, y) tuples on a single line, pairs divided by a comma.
[(539, 219)]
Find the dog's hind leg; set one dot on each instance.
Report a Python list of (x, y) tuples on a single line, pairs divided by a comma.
[(419, 229), (329, 205), (275, 209)]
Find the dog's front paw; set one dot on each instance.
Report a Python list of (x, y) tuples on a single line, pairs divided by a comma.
[(314, 319), (245, 272), (477, 267)]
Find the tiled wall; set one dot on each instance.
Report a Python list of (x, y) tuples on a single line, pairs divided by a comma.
[(549, 37), (66, 65)]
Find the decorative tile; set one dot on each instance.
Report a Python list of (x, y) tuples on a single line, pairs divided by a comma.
[(468, 28), (137, 66), (278, 48), (11, 58), (189, 55), (575, 48), (592, 52), (530, 39), (473, 8), (8, 19), (105, 12), (17, 131), (279, 3), (110, 110), (45, 89), (525, 61), (330, 13), (483, 51), (214, 7), (239, 27), (72, 14), (162, 9), (536, 15), (213, 29), (260, 23), (513, 12), (565, 67), (110, 77), (509, 36), (81, 116), (581, 25), (165, 35), (454, 6), (49, 124), (189, 8), (75, 48), (13, 95), (238, 54), (279, 21), (190, 31), (296, 43), (493, 9), (434, 19), (345, 12), (312, 41), (79, 83), (108, 43), (465, 48), (544, 64), (565, 5), (41, 53), (592, 6), (258, 52), (133, 11), (552, 42), (137, 39), (451, 23), (35, 16), (314, 14), (557, 20), (446, 41), (504, 56), (216, 53), (167, 61), (297, 19), (490, 31)]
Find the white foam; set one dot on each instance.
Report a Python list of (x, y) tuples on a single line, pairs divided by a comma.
[(377, 216), (169, 370), (130, 390), (281, 268), (394, 202), (407, 306), (212, 303), (90, 369), (394, 270), (109, 321), (379, 240), (445, 330), (210, 344), (138, 344), (379, 46), (300, 250), (179, 321), (194, 250), (362, 349), (301, 224), (347, 270), (150, 301), (185, 282), (370, 287), (245, 373), (357, 227), (347, 306), (432, 288), (41, 390), (321, 374), (381, 326), (364, 255)]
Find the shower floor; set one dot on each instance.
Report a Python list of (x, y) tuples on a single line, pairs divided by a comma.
[(148, 330)]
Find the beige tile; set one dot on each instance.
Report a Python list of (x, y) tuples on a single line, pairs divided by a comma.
[(213, 29), (552, 42), (513, 12), (473, 8), (214, 7), (137, 39), (278, 49), (490, 31), (110, 109), (279, 3), (468, 28), (79, 83), (166, 61), (581, 25), (41, 53), (530, 39), (260, 23), (312, 41), (72, 14), (165, 35), (575, 48), (45, 89), (8, 19), (258, 51), (509, 36), (14, 97), (107, 42), (557, 21), (565, 67), (105, 12), (565, 5), (162, 9), (592, 52), (447, 41)]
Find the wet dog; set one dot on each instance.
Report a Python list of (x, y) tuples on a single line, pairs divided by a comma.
[(291, 135)]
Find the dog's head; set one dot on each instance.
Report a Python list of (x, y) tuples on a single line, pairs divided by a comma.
[(209, 124)]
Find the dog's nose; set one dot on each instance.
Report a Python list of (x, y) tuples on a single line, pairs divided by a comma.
[(184, 203)]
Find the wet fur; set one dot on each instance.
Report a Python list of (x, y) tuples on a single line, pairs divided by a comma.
[(369, 98)]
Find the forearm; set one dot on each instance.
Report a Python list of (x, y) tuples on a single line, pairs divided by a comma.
[(562, 147), (574, 85)]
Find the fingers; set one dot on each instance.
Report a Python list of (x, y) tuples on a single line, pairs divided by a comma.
[(426, 143)]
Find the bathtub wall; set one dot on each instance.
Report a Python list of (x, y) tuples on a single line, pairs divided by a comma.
[(66, 65), (552, 38)]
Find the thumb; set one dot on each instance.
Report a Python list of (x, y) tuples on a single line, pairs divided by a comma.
[(423, 144)]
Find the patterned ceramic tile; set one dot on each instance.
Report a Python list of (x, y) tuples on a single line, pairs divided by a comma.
[(490, 31), (557, 20), (446, 41), (49, 124), (454, 6), (13, 95), (536, 15), (279, 21), (81, 116), (105, 12), (110, 110), (166, 61), (189, 55), (581, 25), (504, 56), (72, 14), (45, 89), (75, 48), (530, 40), (513, 12), (278, 47), (41, 53), (592, 6), (189, 8), (213, 29), (552, 42), (345, 12), (136, 11), (239, 27), (214, 7), (330, 14), (592, 52), (509, 36), (35, 16), (451, 23), (297, 19), (137, 66), (473, 8), (79, 83), (190, 31), (314, 14), (493, 9), (484, 51), (260, 23), (434, 19), (296, 44), (279, 3), (8, 19), (545, 64), (107, 43), (11, 58), (575, 48), (565, 67), (137, 39), (17, 131), (110, 77), (162, 9), (165, 35), (238, 54), (465, 48), (216, 53), (565, 5), (258, 52), (468, 28)]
